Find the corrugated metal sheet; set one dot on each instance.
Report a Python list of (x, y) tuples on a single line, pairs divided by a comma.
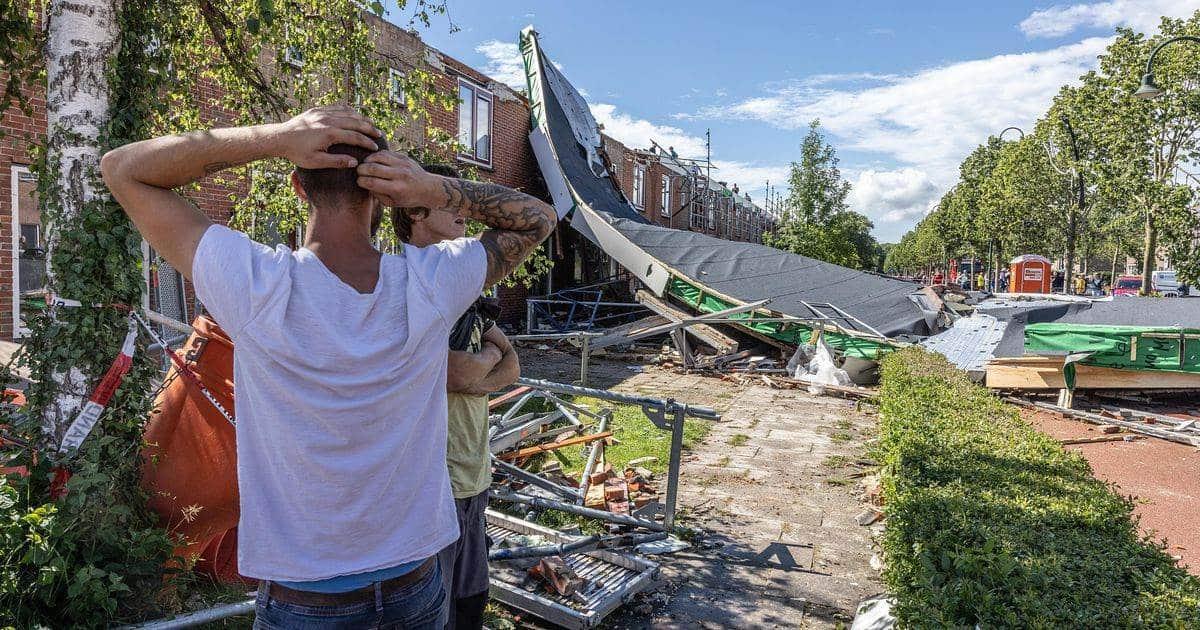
[(969, 343), (613, 578)]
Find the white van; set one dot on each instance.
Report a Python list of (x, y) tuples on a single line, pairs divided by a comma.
[(1166, 283)]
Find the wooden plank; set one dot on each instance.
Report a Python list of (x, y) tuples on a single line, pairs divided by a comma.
[(1105, 438), (7, 350), (707, 334), (543, 448), (627, 333), (507, 397), (849, 391), (1046, 373), (1095, 418)]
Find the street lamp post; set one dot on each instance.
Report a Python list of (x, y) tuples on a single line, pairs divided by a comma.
[(1016, 129), (1148, 90)]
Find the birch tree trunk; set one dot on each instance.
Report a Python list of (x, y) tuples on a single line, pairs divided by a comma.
[(81, 42)]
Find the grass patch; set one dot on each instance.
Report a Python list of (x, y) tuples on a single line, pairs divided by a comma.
[(836, 461), (841, 436), (739, 439), (992, 523), (638, 438), (838, 481), (723, 462)]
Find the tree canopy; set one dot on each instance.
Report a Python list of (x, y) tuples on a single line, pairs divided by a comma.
[(816, 220), (1021, 196)]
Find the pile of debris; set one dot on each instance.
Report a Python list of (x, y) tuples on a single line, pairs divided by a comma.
[(574, 577)]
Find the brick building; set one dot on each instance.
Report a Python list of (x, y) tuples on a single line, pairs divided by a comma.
[(491, 120), (675, 193)]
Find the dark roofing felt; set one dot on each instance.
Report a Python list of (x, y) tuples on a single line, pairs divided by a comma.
[(745, 271)]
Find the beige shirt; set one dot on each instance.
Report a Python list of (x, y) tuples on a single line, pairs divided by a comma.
[(467, 438)]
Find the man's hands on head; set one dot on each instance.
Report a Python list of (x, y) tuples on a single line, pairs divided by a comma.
[(142, 175), (305, 139), (399, 181)]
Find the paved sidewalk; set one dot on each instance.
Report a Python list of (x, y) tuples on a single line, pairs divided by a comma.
[(774, 488)]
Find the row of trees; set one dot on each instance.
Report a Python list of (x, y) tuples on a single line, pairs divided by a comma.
[(816, 220), (1102, 174)]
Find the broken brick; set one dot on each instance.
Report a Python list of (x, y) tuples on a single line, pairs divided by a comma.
[(594, 497), (615, 492)]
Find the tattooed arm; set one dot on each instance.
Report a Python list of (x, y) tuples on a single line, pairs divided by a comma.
[(518, 221), (141, 175)]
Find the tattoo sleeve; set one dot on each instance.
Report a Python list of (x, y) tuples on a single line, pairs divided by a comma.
[(518, 221)]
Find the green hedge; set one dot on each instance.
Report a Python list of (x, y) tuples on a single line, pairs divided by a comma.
[(990, 522)]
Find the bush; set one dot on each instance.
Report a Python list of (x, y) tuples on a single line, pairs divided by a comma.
[(992, 523)]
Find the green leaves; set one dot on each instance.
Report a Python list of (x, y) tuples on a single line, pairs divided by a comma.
[(1017, 198), (817, 222), (992, 524)]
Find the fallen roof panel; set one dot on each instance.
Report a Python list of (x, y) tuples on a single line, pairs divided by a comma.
[(744, 272)]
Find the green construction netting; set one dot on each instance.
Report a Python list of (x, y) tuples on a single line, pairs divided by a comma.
[(794, 333), (1125, 347)]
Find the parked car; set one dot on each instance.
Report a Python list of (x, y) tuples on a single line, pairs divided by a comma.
[(1127, 285), (1167, 284)]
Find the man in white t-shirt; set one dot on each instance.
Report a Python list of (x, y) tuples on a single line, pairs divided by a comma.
[(339, 360)]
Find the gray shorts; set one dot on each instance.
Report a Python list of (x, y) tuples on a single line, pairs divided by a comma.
[(464, 562)]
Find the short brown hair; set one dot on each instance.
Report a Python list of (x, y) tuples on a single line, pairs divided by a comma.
[(402, 218), (327, 187)]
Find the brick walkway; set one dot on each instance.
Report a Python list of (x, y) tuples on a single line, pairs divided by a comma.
[(774, 489)]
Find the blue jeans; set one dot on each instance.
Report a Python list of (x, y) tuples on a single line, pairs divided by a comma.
[(421, 604)]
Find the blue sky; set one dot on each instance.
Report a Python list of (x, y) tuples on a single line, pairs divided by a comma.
[(904, 90)]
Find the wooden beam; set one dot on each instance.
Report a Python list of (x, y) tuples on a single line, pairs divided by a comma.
[(553, 446), (629, 333), (1046, 373), (507, 397), (707, 334)]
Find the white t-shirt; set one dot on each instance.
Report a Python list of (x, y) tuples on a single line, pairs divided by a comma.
[(341, 402)]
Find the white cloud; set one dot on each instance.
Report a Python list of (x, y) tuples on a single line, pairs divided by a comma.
[(1140, 15), (637, 133), (920, 125), (893, 196), (504, 63)]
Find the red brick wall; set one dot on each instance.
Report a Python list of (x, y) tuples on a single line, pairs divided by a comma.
[(20, 133)]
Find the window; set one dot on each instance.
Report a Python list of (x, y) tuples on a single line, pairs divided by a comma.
[(639, 186), (31, 236), (712, 212), (396, 87), (475, 123), (665, 206)]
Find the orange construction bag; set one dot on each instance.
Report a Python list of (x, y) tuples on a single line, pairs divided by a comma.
[(190, 454)]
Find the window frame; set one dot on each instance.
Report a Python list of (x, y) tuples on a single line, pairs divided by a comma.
[(294, 55), (477, 92), (396, 79), (639, 186), (664, 196)]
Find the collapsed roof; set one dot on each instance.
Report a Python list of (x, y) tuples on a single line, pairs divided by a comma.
[(566, 141)]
